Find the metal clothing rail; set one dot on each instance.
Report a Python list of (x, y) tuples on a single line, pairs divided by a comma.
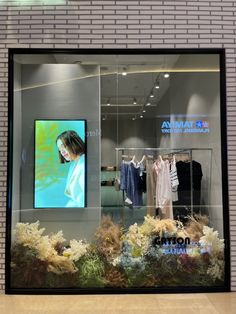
[(173, 150)]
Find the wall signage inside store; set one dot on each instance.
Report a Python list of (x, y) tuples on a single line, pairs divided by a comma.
[(188, 126)]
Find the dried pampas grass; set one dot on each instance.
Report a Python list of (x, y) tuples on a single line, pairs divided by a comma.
[(108, 238), (194, 226), (165, 226)]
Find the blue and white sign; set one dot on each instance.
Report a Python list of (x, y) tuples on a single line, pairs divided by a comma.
[(187, 126)]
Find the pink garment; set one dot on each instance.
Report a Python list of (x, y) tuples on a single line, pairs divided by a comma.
[(163, 188)]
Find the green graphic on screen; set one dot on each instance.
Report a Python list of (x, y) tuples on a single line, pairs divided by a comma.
[(60, 167)]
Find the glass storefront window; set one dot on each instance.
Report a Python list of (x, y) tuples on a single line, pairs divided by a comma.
[(115, 172)]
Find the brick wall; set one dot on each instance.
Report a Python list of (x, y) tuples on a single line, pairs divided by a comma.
[(122, 24)]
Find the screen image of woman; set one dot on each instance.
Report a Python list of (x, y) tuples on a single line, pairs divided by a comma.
[(71, 148)]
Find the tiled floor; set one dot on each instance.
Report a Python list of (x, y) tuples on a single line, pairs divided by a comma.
[(214, 303)]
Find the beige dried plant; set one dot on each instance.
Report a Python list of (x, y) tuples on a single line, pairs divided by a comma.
[(165, 226), (195, 225), (60, 265), (115, 278), (108, 238)]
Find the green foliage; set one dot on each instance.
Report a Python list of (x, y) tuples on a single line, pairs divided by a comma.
[(91, 271), (48, 168)]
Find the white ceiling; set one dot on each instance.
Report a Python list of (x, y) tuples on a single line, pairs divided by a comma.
[(142, 72)]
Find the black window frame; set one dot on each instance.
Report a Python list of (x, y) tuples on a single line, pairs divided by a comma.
[(221, 52)]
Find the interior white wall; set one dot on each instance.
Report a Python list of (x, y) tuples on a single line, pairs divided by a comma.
[(57, 91), (198, 94), (140, 133)]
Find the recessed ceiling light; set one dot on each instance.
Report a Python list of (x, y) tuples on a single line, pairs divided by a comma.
[(141, 116), (144, 110), (135, 101), (124, 71), (151, 95), (157, 85), (148, 104), (166, 75)]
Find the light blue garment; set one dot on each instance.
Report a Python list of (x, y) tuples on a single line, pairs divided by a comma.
[(75, 185)]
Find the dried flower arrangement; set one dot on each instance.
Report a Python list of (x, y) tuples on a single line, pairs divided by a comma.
[(108, 238), (119, 258)]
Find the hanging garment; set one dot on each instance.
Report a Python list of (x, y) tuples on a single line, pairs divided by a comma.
[(174, 180), (189, 189), (163, 188), (151, 188), (133, 182)]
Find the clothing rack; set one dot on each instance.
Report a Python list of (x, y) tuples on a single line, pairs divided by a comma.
[(171, 151)]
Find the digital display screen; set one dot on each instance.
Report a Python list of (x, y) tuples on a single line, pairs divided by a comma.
[(60, 164)]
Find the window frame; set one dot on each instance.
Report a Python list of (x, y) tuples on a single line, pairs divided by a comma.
[(224, 168)]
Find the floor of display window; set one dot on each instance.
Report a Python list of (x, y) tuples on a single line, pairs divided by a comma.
[(214, 303)]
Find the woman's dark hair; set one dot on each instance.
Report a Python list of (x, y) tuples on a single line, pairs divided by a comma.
[(72, 142)]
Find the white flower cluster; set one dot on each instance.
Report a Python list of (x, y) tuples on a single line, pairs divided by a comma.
[(30, 235), (211, 243), (136, 238), (210, 240), (116, 261), (216, 269), (76, 250)]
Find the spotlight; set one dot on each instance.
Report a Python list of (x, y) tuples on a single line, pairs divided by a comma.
[(166, 75), (124, 72), (135, 101), (151, 95), (144, 110), (157, 85), (148, 104), (103, 118), (133, 118), (108, 102)]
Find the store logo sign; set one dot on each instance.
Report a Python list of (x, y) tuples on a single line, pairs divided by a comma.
[(188, 126), (179, 245), (172, 245)]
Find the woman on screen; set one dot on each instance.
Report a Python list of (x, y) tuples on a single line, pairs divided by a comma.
[(71, 148)]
